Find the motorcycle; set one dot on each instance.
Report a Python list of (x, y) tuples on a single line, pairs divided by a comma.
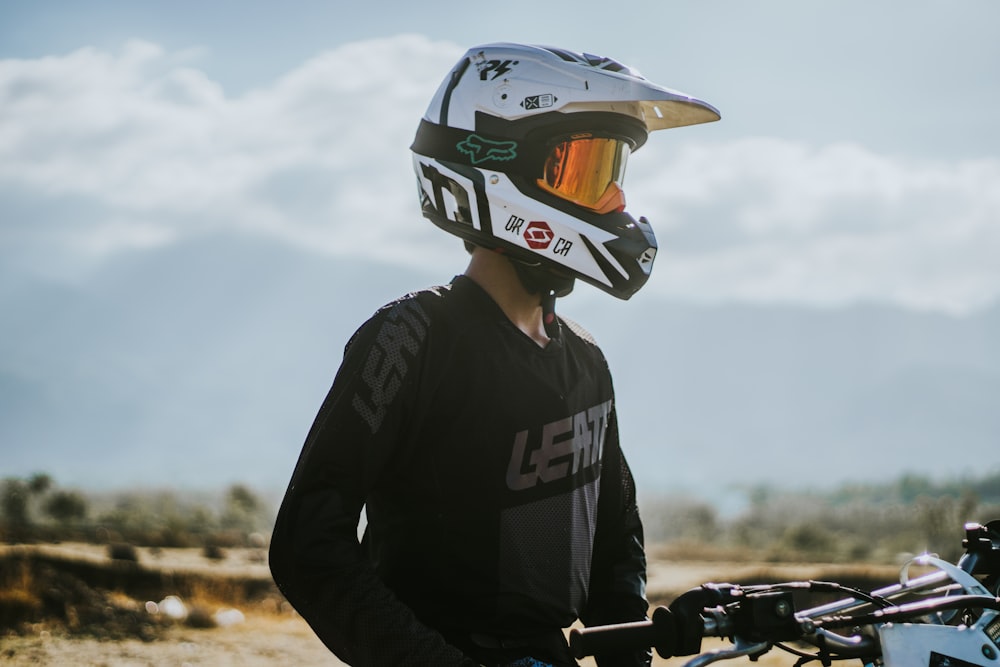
[(948, 617)]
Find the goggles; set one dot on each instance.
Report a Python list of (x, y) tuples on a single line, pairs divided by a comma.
[(587, 171)]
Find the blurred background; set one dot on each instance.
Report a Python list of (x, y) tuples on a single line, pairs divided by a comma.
[(199, 203)]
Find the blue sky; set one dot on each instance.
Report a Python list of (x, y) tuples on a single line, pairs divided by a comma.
[(914, 79), (857, 163), (857, 159), (917, 79)]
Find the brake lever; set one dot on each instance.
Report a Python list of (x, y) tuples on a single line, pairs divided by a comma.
[(740, 648)]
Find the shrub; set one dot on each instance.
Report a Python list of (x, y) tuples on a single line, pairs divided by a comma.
[(123, 551), (17, 608)]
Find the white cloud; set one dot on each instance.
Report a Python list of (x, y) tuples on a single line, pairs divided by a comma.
[(156, 151), (765, 219), (117, 236), (318, 158)]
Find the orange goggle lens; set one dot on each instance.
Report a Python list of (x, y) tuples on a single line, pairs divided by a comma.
[(588, 171)]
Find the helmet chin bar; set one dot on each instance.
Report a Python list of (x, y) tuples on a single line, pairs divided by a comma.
[(548, 285), (537, 279)]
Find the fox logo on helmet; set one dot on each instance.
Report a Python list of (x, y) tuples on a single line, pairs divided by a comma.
[(483, 150)]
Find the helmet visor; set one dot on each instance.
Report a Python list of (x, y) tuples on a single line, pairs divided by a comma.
[(587, 171)]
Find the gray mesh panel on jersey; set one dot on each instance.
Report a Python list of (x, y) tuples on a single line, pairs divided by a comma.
[(546, 547)]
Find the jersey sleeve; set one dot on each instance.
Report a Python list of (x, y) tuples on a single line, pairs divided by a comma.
[(315, 556), (618, 574)]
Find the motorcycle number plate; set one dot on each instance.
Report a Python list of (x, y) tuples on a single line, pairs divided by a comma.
[(993, 631), (925, 645), (938, 660)]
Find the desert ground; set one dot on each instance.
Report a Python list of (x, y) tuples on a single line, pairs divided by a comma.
[(244, 622)]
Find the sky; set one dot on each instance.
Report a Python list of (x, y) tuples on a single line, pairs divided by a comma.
[(857, 160)]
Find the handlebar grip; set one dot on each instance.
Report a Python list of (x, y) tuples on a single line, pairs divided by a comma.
[(659, 633), (608, 638)]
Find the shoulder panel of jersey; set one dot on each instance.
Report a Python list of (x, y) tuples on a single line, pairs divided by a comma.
[(578, 330)]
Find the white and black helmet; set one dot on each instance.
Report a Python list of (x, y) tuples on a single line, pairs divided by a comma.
[(523, 150)]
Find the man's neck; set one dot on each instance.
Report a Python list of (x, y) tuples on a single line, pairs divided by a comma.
[(495, 274)]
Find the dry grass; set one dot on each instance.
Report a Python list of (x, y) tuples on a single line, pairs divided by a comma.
[(270, 633)]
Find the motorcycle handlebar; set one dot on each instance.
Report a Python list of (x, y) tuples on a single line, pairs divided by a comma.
[(762, 620), (662, 633), (612, 638), (757, 617)]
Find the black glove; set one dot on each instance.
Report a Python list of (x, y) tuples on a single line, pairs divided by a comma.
[(687, 614)]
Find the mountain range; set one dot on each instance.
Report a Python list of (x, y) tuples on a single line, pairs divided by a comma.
[(201, 364)]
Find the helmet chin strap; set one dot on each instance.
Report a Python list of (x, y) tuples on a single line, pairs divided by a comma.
[(548, 285), (549, 315)]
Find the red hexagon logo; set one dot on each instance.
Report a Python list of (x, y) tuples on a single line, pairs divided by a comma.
[(538, 235)]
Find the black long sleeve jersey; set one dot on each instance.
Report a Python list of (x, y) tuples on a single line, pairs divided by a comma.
[(497, 497)]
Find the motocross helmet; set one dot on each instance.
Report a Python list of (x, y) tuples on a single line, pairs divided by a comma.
[(523, 150)]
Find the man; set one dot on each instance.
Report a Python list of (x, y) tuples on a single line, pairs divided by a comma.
[(476, 427)]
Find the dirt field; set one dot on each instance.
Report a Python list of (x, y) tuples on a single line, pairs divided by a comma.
[(266, 632), (258, 643), (261, 642)]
